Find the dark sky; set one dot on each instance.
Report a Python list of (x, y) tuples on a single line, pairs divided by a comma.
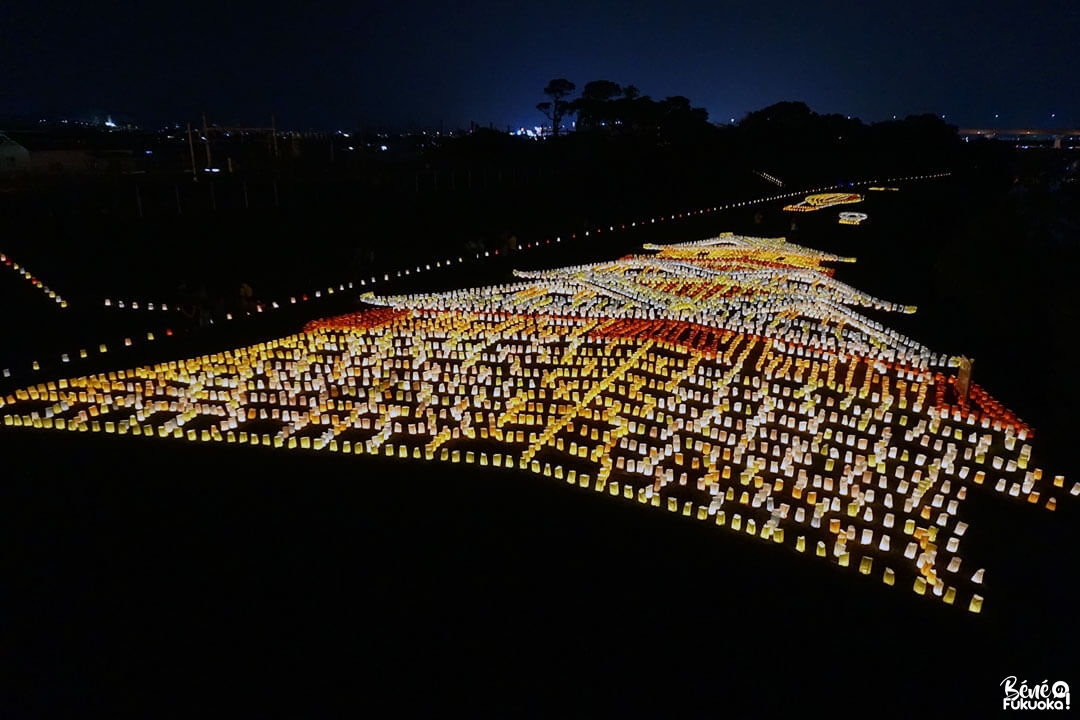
[(336, 64)]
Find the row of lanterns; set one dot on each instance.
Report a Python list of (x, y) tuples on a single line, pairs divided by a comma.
[(25, 273)]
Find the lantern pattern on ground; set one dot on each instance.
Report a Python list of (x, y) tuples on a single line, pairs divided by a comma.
[(730, 381), (852, 218), (819, 201)]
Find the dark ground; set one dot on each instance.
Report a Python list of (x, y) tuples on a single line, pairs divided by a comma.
[(159, 579)]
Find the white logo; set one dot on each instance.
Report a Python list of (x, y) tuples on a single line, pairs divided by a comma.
[(1039, 696)]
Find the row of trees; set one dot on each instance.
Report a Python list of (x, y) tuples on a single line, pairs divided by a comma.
[(605, 106)]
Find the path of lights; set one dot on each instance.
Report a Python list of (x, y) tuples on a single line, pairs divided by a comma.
[(7, 262), (725, 380), (150, 305), (823, 200)]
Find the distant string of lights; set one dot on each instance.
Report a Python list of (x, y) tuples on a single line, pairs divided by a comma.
[(143, 305), (450, 262), (769, 178)]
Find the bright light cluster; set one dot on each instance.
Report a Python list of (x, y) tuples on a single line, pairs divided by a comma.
[(32, 279), (823, 200), (724, 380), (852, 218), (764, 286)]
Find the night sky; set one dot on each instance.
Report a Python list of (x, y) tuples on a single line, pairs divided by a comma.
[(418, 64)]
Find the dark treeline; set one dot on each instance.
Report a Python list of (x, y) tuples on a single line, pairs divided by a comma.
[(629, 150), (339, 205), (616, 132), (785, 139), (625, 149)]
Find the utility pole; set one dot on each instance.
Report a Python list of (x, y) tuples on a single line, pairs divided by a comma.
[(206, 139), (191, 149), (273, 133)]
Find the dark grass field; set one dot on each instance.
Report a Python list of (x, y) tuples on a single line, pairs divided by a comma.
[(157, 578)]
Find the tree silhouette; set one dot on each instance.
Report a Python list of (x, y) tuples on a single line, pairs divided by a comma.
[(680, 121), (557, 107), (601, 90), (595, 107)]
